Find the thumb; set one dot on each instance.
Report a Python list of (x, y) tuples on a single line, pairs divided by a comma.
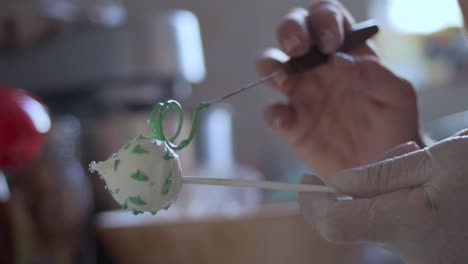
[(406, 171), (399, 150)]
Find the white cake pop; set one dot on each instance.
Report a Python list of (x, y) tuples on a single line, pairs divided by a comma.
[(145, 175)]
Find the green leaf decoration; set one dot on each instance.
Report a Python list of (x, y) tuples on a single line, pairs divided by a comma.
[(128, 145), (136, 200), (116, 164), (139, 176), (125, 205), (138, 149), (137, 212), (167, 185), (108, 190)]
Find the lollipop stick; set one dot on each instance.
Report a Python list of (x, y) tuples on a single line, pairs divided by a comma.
[(258, 184)]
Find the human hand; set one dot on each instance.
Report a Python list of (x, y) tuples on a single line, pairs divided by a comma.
[(464, 8), (413, 204), (344, 113)]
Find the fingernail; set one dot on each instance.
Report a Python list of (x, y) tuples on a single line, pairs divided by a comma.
[(280, 79), (273, 120), (344, 56), (341, 59), (412, 144), (278, 122), (328, 42), (292, 43)]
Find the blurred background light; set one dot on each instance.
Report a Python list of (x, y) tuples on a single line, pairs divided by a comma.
[(423, 16), (190, 45)]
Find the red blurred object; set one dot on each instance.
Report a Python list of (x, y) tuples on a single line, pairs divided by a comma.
[(24, 121)]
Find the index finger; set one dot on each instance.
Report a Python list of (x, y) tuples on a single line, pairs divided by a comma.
[(394, 174), (328, 23)]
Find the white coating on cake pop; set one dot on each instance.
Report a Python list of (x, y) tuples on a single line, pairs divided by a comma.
[(144, 175)]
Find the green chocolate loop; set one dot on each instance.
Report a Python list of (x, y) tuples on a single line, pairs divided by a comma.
[(158, 116)]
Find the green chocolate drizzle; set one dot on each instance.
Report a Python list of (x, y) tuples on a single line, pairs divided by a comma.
[(167, 185), (432, 205), (108, 190), (158, 116), (137, 212), (138, 149), (116, 164), (139, 176), (168, 156), (136, 200), (125, 205), (128, 145)]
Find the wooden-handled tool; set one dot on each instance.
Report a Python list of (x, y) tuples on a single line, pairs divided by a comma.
[(358, 35)]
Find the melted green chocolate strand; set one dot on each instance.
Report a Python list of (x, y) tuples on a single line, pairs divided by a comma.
[(158, 116)]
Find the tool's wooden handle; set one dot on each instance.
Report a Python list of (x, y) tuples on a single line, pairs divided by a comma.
[(258, 184), (359, 34)]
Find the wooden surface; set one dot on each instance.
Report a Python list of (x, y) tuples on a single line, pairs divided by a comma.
[(272, 234)]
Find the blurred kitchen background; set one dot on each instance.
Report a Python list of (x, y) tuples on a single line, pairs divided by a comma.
[(99, 66)]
